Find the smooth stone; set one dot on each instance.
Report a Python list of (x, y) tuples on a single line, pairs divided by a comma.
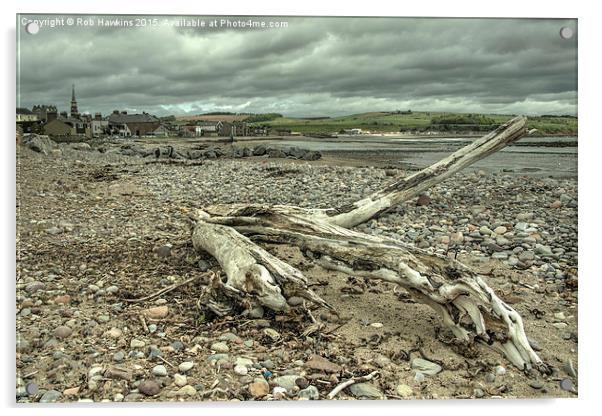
[(403, 390), (186, 366), (259, 388), (136, 343), (158, 312), (119, 356), (279, 393), (186, 391), (319, 363), (287, 382), (63, 332), (115, 333), (309, 393), (419, 377), (241, 370), (149, 387), (567, 384), (160, 370), (220, 347), (366, 391), (50, 396), (426, 367), (569, 369), (180, 379), (244, 361)]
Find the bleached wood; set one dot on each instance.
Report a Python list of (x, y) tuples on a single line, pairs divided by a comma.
[(467, 305)]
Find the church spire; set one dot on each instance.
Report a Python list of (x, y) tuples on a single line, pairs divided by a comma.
[(74, 111)]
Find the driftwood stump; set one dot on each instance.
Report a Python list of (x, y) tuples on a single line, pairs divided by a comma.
[(233, 235)]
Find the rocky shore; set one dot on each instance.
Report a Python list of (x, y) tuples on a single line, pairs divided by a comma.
[(98, 226)]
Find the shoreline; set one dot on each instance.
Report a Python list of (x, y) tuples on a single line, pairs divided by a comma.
[(94, 228)]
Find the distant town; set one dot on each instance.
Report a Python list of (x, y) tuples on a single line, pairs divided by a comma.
[(46, 119)]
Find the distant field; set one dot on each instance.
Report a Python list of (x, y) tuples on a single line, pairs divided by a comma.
[(214, 117), (383, 122)]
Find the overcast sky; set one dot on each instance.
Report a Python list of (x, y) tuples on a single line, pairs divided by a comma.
[(312, 67)]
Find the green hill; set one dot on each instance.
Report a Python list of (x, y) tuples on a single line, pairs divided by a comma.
[(420, 122)]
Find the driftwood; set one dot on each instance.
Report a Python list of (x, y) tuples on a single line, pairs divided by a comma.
[(232, 234)]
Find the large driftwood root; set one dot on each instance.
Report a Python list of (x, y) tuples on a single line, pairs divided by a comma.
[(467, 305)]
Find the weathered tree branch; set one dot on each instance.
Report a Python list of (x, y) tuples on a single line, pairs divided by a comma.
[(468, 307)]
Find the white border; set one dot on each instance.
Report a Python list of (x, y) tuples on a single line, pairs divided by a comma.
[(590, 234)]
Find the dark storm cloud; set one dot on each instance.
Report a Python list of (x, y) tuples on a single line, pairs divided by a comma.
[(314, 66)]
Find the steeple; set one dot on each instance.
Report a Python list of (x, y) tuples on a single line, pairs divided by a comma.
[(74, 111)]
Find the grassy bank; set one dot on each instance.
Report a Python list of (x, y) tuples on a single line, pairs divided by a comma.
[(420, 122)]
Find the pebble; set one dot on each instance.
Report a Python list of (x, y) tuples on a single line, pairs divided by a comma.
[(50, 396), (220, 347), (241, 370), (119, 356), (500, 230), (426, 367), (366, 391), (259, 388), (272, 334), (537, 385), (188, 390), (319, 363), (287, 382), (160, 370), (115, 333), (62, 332), (137, 343), (149, 387), (423, 200), (569, 369), (403, 390), (244, 361), (112, 290), (158, 312), (279, 393), (567, 384), (180, 379), (186, 366), (309, 393), (302, 383), (500, 371)]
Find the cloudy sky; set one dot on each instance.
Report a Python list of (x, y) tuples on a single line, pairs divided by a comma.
[(306, 67)]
